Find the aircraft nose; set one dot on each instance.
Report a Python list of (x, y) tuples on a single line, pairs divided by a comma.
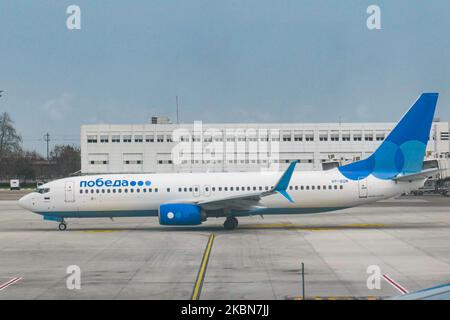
[(25, 202)]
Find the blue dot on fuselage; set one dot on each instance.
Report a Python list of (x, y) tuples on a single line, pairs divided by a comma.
[(140, 183), (133, 183), (148, 183)]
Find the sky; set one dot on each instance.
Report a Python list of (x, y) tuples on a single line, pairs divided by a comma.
[(227, 61)]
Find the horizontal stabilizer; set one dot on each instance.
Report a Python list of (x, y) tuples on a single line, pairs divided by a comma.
[(418, 175)]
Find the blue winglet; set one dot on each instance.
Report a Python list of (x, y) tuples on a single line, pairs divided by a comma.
[(283, 183)]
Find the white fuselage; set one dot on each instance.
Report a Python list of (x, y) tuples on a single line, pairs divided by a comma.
[(111, 196)]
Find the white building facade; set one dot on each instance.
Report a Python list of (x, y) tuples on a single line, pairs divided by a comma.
[(167, 147)]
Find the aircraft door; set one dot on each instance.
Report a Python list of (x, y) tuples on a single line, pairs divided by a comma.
[(362, 186), (70, 191)]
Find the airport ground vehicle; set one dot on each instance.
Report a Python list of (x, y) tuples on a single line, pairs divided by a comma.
[(14, 184)]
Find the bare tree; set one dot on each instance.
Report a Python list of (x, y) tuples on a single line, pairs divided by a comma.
[(10, 141)]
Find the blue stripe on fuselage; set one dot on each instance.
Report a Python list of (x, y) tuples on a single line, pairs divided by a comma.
[(154, 213)]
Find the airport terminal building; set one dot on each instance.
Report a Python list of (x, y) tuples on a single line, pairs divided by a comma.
[(227, 147)]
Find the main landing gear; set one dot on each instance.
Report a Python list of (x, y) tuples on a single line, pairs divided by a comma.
[(230, 223), (62, 226)]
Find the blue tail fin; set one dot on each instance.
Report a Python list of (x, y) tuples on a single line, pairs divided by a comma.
[(404, 148)]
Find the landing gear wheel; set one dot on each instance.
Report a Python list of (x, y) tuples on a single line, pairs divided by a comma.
[(230, 223), (236, 222), (62, 226)]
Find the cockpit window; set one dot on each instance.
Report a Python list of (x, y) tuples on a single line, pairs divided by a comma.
[(43, 190)]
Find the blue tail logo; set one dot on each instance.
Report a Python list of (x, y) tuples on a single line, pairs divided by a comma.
[(404, 148)]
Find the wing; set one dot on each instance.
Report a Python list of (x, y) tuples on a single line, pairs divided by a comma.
[(441, 292), (250, 201)]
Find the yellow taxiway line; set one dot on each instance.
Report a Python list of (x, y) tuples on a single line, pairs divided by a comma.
[(202, 271)]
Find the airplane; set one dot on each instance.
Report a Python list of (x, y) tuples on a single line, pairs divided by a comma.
[(188, 199)]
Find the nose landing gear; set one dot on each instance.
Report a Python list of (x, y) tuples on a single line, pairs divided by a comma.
[(62, 226), (230, 223)]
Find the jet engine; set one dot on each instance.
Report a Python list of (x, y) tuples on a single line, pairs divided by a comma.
[(180, 214)]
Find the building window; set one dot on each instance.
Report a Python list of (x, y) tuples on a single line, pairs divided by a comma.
[(93, 162), (115, 139), (334, 137), (91, 139), (126, 138), (149, 139), (138, 139), (104, 139), (132, 161)]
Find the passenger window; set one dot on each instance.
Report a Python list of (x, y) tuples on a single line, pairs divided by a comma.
[(103, 190), (341, 187), (120, 190), (156, 189), (335, 187), (307, 187), (144, 190), (168, 189), (226, 188), (231, 188), (126, 190), (312, 187), (302, 187), (220, 188), (138, 190), (329, 187), (98, 191), (179, 189), (324, 187), (318, 187), (131, 190)]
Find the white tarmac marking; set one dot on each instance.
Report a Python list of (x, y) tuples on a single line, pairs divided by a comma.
[(9, 283)]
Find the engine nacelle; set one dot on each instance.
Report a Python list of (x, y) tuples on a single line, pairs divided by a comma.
[(180, 214)]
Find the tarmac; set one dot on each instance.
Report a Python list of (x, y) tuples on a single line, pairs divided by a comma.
[(406, 240)]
